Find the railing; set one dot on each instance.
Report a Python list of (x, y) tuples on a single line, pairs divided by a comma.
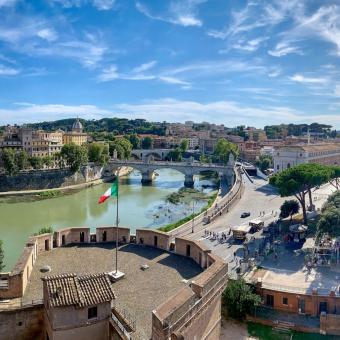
[(3, 284), (120, 326), (193, 164)]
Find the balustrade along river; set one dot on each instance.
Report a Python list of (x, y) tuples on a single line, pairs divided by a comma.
[(139, 207)]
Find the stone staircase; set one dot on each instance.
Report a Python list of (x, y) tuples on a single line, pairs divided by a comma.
[(283, 326)]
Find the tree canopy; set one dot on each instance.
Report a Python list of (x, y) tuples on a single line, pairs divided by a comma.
[(147, 143), (98, 153), (184, 145), (329, 220), (289, 208), (299, 180), (222, 150), (239, 299), (122, 146), (264, 162), (74, 155)]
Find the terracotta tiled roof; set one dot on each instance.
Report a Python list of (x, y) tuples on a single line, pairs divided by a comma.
[(80, 291)]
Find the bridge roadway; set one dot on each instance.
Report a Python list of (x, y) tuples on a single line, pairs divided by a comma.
[(189, 169)]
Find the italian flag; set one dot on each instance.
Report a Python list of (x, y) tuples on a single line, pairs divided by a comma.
[(111, 192)]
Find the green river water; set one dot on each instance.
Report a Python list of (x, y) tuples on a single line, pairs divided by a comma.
[(140, 206)]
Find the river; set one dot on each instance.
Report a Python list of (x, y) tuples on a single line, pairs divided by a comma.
[(139, 207)]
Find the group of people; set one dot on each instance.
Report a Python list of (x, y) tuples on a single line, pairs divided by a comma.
[(263, 213), (223, 236)]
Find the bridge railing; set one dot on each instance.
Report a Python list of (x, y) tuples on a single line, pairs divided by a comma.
[(193, 164)]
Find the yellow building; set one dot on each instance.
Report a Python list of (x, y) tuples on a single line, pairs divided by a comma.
[(76, 136)]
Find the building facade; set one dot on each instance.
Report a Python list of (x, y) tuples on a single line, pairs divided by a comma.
[(288, 156)]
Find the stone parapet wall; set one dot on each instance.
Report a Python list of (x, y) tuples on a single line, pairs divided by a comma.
[(153, 238), (111, 234), (193, 249), (23, 323), (195, 311), (330, 324)]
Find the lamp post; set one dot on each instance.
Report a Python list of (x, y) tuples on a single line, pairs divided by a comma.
[(194, 203)]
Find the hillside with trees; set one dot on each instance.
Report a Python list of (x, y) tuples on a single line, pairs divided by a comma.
[(116, 126)]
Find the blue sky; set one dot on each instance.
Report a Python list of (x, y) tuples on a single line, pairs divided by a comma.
[(223, 61)]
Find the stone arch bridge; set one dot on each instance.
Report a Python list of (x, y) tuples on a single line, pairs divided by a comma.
[(189, 169)]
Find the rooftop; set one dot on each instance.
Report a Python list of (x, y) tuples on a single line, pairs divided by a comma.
[(139, 293), (80, 291), (288, 273)]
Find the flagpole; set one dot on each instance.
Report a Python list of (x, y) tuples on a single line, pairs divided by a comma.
[(117, 221)]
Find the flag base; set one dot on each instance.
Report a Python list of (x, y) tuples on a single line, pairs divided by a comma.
[(116, 275)]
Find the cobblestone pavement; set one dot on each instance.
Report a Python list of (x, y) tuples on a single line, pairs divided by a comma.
[(138, 293)]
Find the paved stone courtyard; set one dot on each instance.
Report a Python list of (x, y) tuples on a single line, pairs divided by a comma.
[(138, 293)]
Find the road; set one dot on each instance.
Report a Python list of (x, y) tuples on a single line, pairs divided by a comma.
[(258, 197)]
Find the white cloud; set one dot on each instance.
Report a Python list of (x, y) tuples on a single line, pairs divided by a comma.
[(169, 109), (250, 45), (308, 80), (28, 112), (48, 34), (101, 5), (108, 74), (8, 71), (111, 73), (230, 113), (7, 3), (284, 48), (337, 91), (172, 80), (256, 15), (179, 12), (144, 67)]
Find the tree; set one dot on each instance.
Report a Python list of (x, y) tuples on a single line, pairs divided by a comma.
[(289, 208), (44, 230), (74, 155), (147, 143), (98, 153), (175, 155), (223, 149), (122, 146), (47, 161), (335, 176), (21, 159), (9, 161), (36, 162), (329, 220), (184, 145), (2, 255), (299, 180), (134, 140), (239, 299), (264, 162)]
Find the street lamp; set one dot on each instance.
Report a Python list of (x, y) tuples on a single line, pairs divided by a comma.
[(194, 203)]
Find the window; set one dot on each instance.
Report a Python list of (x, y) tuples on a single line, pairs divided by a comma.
[(92, 313), (285, 301)]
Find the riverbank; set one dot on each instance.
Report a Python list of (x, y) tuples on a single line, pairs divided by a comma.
[(211, 199), (37, 195)]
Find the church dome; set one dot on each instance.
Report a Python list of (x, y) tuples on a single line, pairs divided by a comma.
[(77, 126)]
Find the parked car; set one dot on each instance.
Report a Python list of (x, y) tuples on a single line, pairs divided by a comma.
[(245, 214)]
